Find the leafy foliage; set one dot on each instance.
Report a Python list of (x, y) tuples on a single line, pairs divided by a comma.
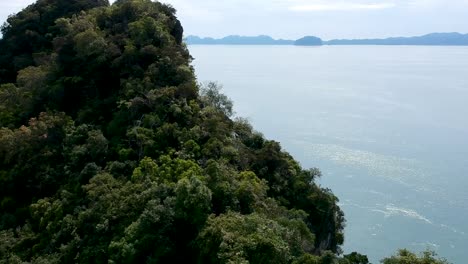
[(253, 238), (405, 256)]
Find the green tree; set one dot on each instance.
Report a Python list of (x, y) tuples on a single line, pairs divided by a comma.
[(405, 256), (210, 94), (235, 238), (29, 33), (356, 258)]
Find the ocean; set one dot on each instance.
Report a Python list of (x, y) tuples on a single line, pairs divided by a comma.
[(386, 125)]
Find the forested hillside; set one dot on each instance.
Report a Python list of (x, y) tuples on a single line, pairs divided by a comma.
[(110, 152)]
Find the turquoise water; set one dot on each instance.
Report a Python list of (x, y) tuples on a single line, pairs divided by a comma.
[(387, 125)]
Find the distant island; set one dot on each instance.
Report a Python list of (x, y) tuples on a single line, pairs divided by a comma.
[(309, 41), (433, 39)]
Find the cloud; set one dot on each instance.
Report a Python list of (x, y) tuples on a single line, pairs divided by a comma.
[(341, 6)]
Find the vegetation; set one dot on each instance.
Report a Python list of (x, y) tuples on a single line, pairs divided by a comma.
[(404, 256), (111, 152)]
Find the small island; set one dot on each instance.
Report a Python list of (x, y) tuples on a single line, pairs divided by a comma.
[(308, 41)]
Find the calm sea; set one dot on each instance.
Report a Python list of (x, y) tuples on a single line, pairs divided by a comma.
[(387, 125)]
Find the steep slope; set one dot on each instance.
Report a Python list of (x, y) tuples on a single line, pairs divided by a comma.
[(110, 153)]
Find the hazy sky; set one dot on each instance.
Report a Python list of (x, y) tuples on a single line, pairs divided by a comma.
[(324, 18)]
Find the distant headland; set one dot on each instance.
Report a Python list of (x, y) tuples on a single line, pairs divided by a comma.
[(433, 39)]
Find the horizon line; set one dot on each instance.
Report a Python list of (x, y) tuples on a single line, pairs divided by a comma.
[(354, 38)]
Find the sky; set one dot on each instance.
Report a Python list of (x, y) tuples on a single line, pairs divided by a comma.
[(292, 19)]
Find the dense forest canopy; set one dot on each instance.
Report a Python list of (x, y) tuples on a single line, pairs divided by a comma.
[(111, 152)]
